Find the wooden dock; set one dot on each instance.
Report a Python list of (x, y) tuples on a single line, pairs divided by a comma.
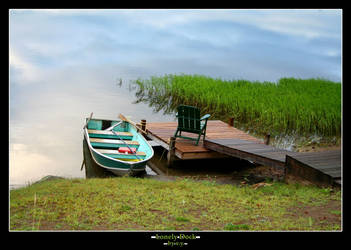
[(223, 140), (161, 132), (321, 168)]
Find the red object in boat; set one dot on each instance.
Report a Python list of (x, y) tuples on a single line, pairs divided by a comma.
[(126, 150)]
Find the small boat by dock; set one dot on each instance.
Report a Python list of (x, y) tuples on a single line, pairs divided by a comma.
[(117, 145)]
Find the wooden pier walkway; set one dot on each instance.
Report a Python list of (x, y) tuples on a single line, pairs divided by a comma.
[(223, 140), (161, 132), (318, 167), (321, 168), (250, 150)]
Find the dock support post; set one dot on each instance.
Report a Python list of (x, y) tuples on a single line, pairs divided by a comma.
[(143, 124), (231, 121), (267, 139), (171, 152)]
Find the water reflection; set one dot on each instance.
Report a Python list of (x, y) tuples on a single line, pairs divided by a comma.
[(46, 120), (157, 100)]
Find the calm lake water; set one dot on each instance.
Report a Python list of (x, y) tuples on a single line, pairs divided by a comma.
[(66, 64), (46, 139)]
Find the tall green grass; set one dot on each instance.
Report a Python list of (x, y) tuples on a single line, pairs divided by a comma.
[(302, 106)]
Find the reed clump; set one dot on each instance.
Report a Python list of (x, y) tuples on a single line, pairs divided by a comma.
[(290, 106)]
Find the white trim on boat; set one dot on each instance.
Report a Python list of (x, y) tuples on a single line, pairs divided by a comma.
[(110, 168), (91, 147), (86, 134)]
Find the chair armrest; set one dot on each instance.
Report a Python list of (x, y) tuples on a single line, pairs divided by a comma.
[(205, 117)]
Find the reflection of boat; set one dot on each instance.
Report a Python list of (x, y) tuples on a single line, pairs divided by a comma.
[(117, 146)]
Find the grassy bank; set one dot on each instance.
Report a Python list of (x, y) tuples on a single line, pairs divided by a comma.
[(147, 204), (290, 106)]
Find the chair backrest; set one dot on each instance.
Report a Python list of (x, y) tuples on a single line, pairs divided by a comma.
[(188, 118)]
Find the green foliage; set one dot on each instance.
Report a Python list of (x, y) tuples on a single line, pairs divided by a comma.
[(303, 106)]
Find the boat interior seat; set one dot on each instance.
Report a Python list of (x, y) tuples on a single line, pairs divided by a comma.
[(112, 143), (109, 134), (116, 154)]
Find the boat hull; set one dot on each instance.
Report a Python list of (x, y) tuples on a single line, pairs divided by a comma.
[(121, 167)]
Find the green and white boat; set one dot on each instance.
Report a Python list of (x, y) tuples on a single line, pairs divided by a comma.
[(117, 145)]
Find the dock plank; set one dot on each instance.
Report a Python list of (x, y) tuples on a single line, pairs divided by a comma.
[(232, 141), (324, 154)]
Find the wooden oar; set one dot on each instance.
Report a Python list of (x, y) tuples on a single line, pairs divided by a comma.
[(83, 163), (122, 117), (110, 128), (86, 124)]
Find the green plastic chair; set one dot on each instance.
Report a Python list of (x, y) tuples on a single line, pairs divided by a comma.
[(189, 121)]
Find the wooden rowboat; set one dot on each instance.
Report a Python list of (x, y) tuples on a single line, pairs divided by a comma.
[(117, 145)]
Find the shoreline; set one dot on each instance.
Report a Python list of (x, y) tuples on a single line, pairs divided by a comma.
[(220, 179)]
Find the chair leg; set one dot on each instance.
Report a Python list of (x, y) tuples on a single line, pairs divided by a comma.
[(175, 134), (198, 139), (202, 133)]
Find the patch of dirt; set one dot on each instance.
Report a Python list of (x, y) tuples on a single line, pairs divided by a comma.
[(322, 216), (289, 179), (263, 172), (249, 175)]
